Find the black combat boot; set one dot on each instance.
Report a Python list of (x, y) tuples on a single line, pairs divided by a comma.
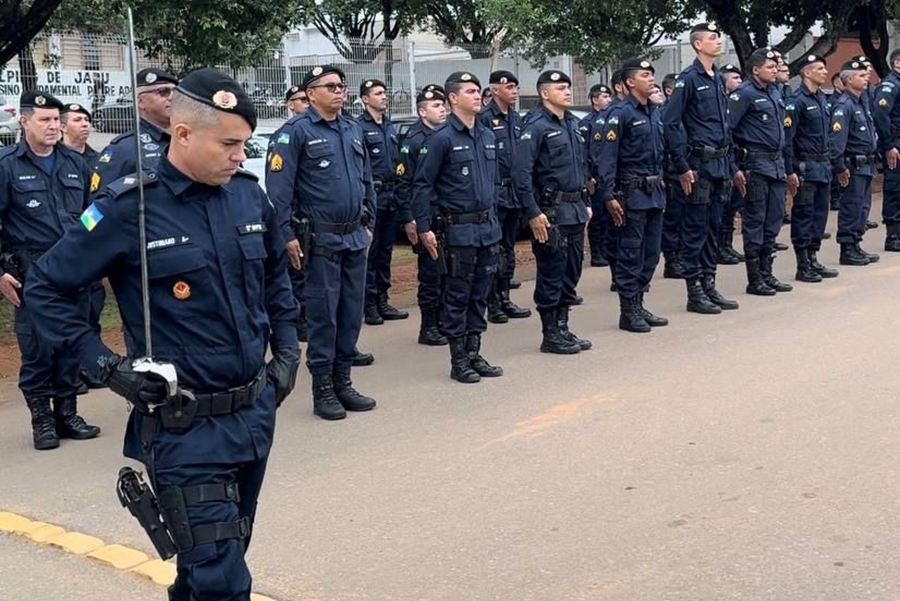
[(733, 250), (780, 246), (479, 363), (325, 404), (872, 257), (851, 255), (755, 283), (597, 258), (674, 268), (43, 426), (654, 321), (69, 424), (825, 272), (372, 315), (871, 225), (495, 313), (709, 288), (512, 310), (724, 254), (892, 242), (302, 330), (362, 359), (805, 271), (553, 339), (630, 318), (388, 311), (349, 397), (766, 262), (515, 284), (429, 334), (460, 368), (697, 301), (562, 320)]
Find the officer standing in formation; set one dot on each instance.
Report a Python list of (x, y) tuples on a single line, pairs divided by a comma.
[(601, 96), (550, 176), (454, 194), (432, 111), (219, 296), (154, 89), (726, 254), (887, 122), (382, 146), (852, 134), (75, 123), (630, 182), (318, 176), (43, 189), (757, 121), (500, 116), (808, 168), (698, 137), (837, 88), (296, 100)]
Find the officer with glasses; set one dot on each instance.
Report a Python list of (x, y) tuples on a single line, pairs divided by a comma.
[(154, 91), (296, 100)]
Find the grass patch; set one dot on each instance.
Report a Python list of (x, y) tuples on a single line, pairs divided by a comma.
[(402, 255), (108, 319)]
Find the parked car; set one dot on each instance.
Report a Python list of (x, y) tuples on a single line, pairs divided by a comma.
[(256, 149), (9, 123), (114, 117)]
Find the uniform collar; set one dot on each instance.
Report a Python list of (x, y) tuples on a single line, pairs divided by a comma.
[(494, 110), (756, 85), (699, 68), (315, 117), (367, 116), (23, 149), (809, 92), (457, 123), (633, 101), (549, 114), (156, 133), (177, 181)]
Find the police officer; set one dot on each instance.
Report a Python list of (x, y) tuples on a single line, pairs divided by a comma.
[(500, 116), (43, 189), (837, 88), (220, 295), (630, 183), (886, 111), (698, 138), (668, 84), (550, 175), (869, 98), (382, 146), (671, 232), (757, 120), (726, 254), (75, 123), (853, 143), (806, 162), (320, 169), (784, 90), (154, 89), (430, 106), (296, 100), (601, 96), (454, 194)]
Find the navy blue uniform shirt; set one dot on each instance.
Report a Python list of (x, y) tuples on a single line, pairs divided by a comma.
[(457, 173), (886, 111), (551, 156), (757, 125), (119, 158), (382, 147), (406, 169), (806, 120), (852, 133), (506, 127)]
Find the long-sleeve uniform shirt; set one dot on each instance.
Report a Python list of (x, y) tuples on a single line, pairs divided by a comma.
[(886, 112), (852, 135), (806, 144), (119, 158), (757, 125), (382, 147), (506, 127), (406, 169)]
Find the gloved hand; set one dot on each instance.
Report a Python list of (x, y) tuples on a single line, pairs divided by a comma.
[(142, 390), (281, 371)]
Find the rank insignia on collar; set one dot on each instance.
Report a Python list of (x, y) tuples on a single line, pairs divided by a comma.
[(181, 290)]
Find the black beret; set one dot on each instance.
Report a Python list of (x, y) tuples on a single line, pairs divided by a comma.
[(853, 65), (763, 54), (895, 54), (368, 84), (637, 64), (213, 88), (705, 27), (75, 108), (731, 68), (151, 77), (813, 58), (462, 77), (503, 77), (291, 91), (486, 93), (600, 88), (35, 99), (431, 92), (320, 71), (863, 59), (553, 76)]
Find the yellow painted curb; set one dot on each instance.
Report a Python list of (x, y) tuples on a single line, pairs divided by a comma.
[(256, 597), (158, 571), (43, 532), (119, 557), (77, 543), (10, 522)]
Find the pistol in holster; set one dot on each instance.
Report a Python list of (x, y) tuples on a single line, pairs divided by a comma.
[(439, 227), (138, 498), (303, 231)]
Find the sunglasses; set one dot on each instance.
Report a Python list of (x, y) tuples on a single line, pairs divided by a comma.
[(302, 99), (332, 87), (161, 92)]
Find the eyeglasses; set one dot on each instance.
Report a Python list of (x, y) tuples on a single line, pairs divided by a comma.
[(302, 99), (333, 88), (161, 92)]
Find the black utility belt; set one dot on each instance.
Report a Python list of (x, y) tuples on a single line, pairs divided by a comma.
[(556, 196), (709, 153), (477, 217), (860, 160), (383, 186), (768, 155), (323, 227), (506, 182), (813, 157), (647, 183)]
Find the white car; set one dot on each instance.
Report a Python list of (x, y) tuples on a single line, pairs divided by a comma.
[(9, 123), (256, 150)]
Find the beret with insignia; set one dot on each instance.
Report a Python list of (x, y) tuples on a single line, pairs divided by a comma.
[(599, 88), (853, 65), (320, 71), (152, 76), (35, 99), (213, 88), (291, 91), (762, 54), (462, 77), (705, 28), (811, 59), (864, 59), (75, 108), (431, 92), (369, 85), (503, 77), (636, 64), (553, 76), (730, 68)]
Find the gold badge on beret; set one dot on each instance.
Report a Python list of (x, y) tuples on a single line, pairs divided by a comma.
[(429, 95), (645, 65), (465, 77), (74, 107), (317, 71), (503, 80), (712, 27), (368, 84), (40, 100), (150, 78), (554, 76), (224, 99)]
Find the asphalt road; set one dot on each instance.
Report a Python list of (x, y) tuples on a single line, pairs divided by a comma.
[(748, 456)]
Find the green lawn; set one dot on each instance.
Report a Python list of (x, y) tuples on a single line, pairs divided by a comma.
[(108, 319)]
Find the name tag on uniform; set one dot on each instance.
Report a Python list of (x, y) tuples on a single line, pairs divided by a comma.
[(701, 88), (761, 100), (251, 228), (553, 134), (168, 242), (72, 175)]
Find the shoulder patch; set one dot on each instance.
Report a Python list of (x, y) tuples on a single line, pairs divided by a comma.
[(284, 138), (790, 107), (526, 136), (106, 156), (734, 97), (679, 84), (130, 182), (613, 121), (91, 217), (836, 126), (883, 102)]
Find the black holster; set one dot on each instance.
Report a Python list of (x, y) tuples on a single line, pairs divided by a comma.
[(137, 497), (303, 232)]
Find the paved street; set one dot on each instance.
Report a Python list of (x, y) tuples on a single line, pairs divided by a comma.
[(748, 456)]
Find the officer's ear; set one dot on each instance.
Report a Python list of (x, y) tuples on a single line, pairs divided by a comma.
[(181, 133)]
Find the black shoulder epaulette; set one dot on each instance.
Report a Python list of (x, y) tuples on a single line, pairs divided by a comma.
[(125, 184), (120, 137)]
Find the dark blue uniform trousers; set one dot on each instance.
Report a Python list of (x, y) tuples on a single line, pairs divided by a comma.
[(855, 202), (763, 214), (596, 231), (509, 231), (335, 294), (809, 215), (97, 302), (558, 271), (890, 208), (671, 228), (378, 274), (733, 205), (298, 279), (640, 238), (44, 373), (701, 221), (466, 287), (429, 292)]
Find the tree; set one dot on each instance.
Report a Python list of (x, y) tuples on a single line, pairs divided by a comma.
[(475, 24), (20, 22)]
